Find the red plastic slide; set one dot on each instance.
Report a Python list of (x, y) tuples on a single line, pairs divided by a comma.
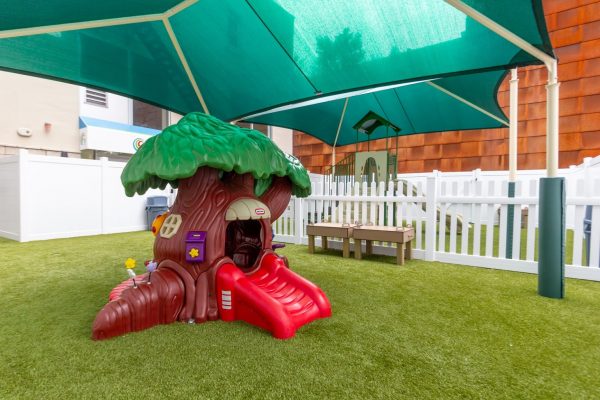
[(272, 297)]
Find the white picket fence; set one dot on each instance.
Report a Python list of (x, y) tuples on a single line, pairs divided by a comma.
[(458, 220)]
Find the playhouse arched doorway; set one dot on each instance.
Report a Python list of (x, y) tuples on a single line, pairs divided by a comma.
[(370, 172)]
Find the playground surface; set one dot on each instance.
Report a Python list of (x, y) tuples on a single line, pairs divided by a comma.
[(424, 330)]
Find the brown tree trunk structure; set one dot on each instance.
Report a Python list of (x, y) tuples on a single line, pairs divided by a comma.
[(183, 290)]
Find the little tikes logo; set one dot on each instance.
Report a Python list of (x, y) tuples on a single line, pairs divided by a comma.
[(137, 143), (259, 211)]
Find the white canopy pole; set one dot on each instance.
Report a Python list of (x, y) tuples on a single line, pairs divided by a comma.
[(337, 134), (513, 128), (552, 121), (164, 17), (551, 87), (551, 207), (102, 23), (185, 64), (467, 102)]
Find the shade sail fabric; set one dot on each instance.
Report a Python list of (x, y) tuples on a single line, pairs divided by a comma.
[(248, 56), (416, 108)]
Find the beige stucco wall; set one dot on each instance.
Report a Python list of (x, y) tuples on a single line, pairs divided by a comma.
[(174, 118), (29, 102), (284, 138)]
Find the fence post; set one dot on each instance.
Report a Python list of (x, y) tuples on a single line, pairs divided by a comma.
[(23, 179), (431, 217), (103, 193), (587, 176), (298, 220)]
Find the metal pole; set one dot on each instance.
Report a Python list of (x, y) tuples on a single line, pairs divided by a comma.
[(551, 261), (502, 31), (551, 87), (397, 160), (337, 134), (512, 159), (552, 121), (514, 126), (467, 102)]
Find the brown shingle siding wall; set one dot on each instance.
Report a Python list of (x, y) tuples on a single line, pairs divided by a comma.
[(574, 27)]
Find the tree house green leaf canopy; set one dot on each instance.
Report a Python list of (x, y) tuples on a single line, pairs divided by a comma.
[(200, 140), (236, 58)]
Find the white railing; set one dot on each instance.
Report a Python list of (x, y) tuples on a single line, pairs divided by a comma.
[(460, 220)]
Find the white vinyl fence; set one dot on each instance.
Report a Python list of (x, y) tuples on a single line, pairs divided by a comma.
[(459, 218), (45, 197)]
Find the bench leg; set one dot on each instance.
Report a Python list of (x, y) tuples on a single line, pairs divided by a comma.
[(346, 248), (358, 249), (369, 247), (324, 244), (311, 244), (409, 250), (400, 253)]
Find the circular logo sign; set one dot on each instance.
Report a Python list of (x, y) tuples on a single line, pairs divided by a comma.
[(137, 143), (259, 211)]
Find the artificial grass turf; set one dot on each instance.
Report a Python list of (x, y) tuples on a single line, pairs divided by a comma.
[(424, 330)]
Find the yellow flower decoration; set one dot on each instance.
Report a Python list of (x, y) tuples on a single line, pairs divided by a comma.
[(130, 263), (194, 253)]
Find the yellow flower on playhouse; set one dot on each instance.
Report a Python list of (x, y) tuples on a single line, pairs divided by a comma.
[(130, 263), (194, 253)]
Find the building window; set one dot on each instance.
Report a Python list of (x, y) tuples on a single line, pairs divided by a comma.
[(96, 97), (149, 116), (266, 129)]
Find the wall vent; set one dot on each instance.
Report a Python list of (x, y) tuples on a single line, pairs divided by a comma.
[(96, 97)]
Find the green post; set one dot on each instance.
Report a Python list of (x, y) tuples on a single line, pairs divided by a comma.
[(551, 260), (510, 220)]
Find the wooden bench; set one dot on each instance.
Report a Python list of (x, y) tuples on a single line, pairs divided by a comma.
[(328, 229), (400, 236)]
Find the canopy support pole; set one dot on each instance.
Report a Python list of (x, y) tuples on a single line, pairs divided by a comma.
[(551, 262), (41, 30), (552, 116), (101, 23), (337, 134), (184, 62), (512, 159), (467, 102), (514, 126)]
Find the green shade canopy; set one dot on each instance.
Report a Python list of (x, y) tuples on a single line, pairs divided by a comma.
[(418, 108), (243, 57), (200, 140)]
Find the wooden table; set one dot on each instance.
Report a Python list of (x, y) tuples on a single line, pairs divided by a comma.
[(400, 236), (328, 229)]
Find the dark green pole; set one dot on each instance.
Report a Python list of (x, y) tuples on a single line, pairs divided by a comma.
[(551, 260), (510, 221)]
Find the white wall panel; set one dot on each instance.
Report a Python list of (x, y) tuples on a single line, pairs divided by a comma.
[(45, 197), (9, 198)]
